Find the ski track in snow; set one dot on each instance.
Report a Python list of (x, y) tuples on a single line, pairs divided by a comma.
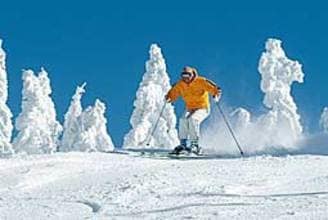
[(118, 186)]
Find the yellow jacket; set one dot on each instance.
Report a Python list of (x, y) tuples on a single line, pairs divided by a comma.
[(195, 93)]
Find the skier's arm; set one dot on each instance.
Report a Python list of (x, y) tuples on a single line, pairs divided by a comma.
[(212, 88), (173, 94)]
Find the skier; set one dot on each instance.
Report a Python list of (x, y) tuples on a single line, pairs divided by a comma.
[(195, 91)]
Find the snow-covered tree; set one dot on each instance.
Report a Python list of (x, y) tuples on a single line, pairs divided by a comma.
[(324, 120), (147, 107), (241, 118), (6, 126), (85, 130), (71, 123), (278, 73), (38, 129), (93, 134)]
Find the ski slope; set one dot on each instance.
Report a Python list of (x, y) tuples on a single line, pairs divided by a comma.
[(119, 186)]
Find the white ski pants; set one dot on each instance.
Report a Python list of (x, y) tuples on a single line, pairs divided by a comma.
[(189, 124)]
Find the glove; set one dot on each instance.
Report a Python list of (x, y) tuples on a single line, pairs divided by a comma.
[(217, 98), (167, 99)]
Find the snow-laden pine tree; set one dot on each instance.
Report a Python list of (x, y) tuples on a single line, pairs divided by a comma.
[(6, 126), (278, 73), (147, 107), (241, 118), (93, 135), (38, 129), (72, 126), (324, 120), (85, 130)]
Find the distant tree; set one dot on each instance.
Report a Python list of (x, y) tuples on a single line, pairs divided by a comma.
[(38, 129), (6, 126), (241, 118), (147, 107), (324, 120)]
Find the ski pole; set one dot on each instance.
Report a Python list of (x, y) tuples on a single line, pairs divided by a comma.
[(230, 129), (155, 126)]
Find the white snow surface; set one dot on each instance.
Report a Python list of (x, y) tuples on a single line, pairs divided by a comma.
[(148, 105), (278, 130), (117, 186), (38, 129), (6, 126)]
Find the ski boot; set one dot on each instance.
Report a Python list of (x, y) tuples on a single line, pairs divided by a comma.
[(195, 148), (178, 149)]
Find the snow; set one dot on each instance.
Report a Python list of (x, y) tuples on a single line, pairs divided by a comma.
[(119, 186), (38, 129), (147, 107), (6, 126)]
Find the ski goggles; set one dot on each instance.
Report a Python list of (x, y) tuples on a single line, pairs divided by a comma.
[(186, 75)]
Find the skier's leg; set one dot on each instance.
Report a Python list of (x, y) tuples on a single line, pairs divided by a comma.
[(183, 134), (184, 126), (195, 121)]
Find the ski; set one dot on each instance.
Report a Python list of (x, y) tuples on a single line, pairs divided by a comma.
[(166, 154)]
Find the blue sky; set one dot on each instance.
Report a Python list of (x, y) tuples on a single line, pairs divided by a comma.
[(106, 44)]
